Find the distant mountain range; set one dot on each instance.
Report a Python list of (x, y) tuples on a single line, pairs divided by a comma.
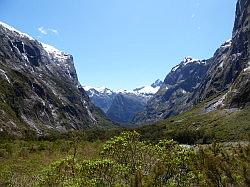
[(122, 105)]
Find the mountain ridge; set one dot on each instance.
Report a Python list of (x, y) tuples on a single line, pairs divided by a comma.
[(227, 71), (39, 89)]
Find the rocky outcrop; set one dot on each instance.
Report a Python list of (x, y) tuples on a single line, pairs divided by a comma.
[(39, 89), (227, 74)]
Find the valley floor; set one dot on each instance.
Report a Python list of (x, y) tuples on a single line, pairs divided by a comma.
[(123, 160)]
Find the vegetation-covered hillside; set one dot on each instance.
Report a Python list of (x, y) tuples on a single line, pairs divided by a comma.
[(199, 125)]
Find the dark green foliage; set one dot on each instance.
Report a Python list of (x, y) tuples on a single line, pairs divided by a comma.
[(127, 161), (196, 126), (189, 136)]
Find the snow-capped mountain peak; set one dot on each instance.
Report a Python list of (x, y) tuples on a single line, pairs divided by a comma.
[(187, 61), (147, 90), (157, 83), (101, 90), (107, 99), (15, 31), (55, 53), (143, 90)]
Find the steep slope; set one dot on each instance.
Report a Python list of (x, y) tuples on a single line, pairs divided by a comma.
[(226, 72), (173, 95), (239, 93), (39, 89), (230, 69)]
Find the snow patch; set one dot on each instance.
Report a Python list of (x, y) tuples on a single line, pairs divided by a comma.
[(183, 91), (221, 64), (227, 43), (147, 90), (188, 60), (15, 31), (2, 72), (175, 67), (102, 89), (248, 67), (54, 53)]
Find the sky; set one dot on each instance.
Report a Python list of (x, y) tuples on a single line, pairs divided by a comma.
[(124, 44)]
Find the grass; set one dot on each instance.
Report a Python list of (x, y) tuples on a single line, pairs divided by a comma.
[(123, 160), (220, 125), (21, 162)]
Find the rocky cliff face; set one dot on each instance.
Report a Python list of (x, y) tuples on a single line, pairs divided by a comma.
[(239, 93), (39, 89), (172, 97), (226, 74), (229, 72)]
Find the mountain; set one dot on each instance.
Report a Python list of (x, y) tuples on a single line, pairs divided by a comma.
[(121, 106), (39, 89), (102, 97), (175, 90), (192, 81), (124, 107)]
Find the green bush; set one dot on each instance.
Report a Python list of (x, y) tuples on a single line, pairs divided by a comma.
[(124, 160), (68, 172), (127, 161)]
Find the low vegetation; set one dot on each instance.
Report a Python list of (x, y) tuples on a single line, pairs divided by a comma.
[(198, 127), (124, 160)]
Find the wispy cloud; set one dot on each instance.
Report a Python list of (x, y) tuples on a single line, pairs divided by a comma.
[(53, 31), (193, 15), (42, 30), (46, 31)]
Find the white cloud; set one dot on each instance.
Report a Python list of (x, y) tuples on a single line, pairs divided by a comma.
[(193, 15), (45, 31), (53, 31), (42, 30)]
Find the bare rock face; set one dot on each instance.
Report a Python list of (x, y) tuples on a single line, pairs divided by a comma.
[(178, 86), (239, 93), (39, 88), (227, 73)]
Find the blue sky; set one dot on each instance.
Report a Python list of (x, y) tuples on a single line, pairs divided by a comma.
[(124, 43)]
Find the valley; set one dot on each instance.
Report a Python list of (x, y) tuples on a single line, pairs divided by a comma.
[(190, 129)]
